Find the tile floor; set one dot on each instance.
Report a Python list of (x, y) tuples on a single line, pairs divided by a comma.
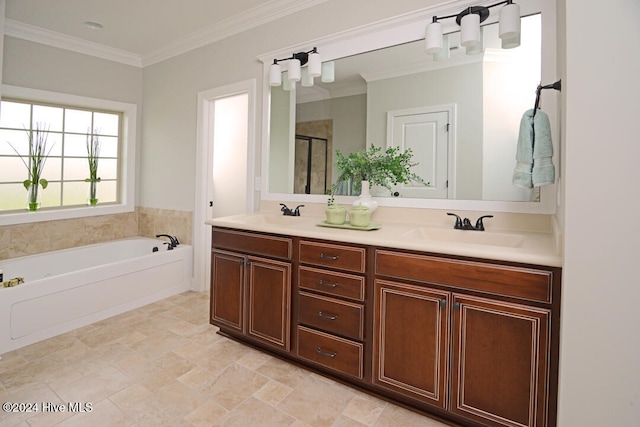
[(164, 365)]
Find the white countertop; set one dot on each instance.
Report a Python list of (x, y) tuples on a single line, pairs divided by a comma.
[(531, 247)]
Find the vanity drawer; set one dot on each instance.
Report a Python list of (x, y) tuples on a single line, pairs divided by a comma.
[(511, 281), (333, 352), (331, 283), (253, 243), (344, 257), (340, 317)]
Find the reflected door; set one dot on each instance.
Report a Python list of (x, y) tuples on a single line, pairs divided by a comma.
[(426, 133)]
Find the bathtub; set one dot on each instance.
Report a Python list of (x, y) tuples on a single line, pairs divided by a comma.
[(66, 289)]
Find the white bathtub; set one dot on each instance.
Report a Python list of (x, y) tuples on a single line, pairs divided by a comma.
[(70, 288)]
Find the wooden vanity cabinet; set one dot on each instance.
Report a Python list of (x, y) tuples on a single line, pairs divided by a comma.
[(331, 307), (473, 338), (250, 293)]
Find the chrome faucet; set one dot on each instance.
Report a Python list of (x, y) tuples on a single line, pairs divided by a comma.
[(288, 212), (465, 224), (173, 240)]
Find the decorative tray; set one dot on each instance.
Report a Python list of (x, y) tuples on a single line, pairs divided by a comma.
[(348, 226)]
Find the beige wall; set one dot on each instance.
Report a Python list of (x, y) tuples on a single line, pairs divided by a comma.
[(600, 347)]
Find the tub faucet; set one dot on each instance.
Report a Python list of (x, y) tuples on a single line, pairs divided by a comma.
[(173, 240)]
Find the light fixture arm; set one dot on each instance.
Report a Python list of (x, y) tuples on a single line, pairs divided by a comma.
[(483, 11), (303, 57)]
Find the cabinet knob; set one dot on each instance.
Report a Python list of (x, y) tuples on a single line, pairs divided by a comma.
[(329, 256), (327, 316), (443, 303), (456, 305), (331, 285), (326, 354)]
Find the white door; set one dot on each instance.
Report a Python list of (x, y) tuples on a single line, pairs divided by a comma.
[(426, 133), (224, 165)]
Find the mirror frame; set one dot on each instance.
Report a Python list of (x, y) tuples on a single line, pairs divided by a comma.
[(411, 27)]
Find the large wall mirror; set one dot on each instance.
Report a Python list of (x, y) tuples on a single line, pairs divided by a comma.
[(459, 113)]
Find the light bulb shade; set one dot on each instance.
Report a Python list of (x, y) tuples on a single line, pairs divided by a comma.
[(509, 23), (295, 73), (275, 75), (511, 43), (307, 80), (287, 84), (328, 72), (314, 64), (445, 52), (433, 37), (470, 29), (477, 48)]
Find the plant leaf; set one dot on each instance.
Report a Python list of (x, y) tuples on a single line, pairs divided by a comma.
[(26, 183), (44, 183)]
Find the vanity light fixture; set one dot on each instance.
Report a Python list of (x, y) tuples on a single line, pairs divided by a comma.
[(295, 72), (469, 21)]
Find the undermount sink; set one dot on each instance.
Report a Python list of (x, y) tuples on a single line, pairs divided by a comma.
[(467, 236)]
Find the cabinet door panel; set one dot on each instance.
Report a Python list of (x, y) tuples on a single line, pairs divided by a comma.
[(227, 290), (411, 340), (269, 296), (500, 367)]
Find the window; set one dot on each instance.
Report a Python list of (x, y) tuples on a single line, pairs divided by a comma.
[(67, 126)]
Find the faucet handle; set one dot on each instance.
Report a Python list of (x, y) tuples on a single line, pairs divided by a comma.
[(479, 224), (458, 220), (296, 211)]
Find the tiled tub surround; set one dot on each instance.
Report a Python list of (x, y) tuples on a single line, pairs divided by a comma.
[(163, 364), (34, 238)]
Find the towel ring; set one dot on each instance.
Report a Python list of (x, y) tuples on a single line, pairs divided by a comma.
[(557, 86)]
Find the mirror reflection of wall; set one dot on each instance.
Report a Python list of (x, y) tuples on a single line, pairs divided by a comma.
[(489, 92)]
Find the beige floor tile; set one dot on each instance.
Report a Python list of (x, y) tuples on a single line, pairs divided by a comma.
[(164, 365)]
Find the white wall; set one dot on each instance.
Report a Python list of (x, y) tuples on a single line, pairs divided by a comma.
[(600, 347)]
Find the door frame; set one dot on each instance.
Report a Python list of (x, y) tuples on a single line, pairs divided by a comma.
[(451, 136), (204, 171)]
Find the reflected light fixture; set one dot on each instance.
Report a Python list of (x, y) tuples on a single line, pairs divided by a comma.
[(469, 21), (296, 72)]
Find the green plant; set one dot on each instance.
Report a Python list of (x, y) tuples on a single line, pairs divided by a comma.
[(93, 155), (382, 168), (35, 162)]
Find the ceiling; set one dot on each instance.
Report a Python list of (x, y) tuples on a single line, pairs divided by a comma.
[(140, 32)]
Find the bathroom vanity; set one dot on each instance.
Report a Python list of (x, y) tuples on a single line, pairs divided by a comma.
[(465, 331)]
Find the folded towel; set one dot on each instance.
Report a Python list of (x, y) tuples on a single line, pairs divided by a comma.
[(522, 174), (544, 172), (11, 283)]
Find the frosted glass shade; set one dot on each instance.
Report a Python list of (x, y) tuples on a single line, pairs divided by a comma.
[(477, 48), (433, 37), (328, 72), (307, 80), (445, 52), (314, 65), (509, 23), (295, 73), (470, 30), (288, 85), (511, 43), (275, 75)]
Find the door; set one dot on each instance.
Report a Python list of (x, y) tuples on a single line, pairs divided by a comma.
[(411, 340), (224, 165), (426, 132), (500, 362), (227, 284)]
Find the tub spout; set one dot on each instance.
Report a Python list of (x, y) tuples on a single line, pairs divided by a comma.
[(173, 241)]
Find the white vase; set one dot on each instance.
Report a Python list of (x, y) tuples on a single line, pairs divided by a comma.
[(365, 198)]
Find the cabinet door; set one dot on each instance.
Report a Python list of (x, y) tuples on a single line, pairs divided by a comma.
[(411, 336), (500, 362), (227, 290), (268, 300)]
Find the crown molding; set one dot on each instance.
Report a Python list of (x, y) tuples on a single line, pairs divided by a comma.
[(252, 18), (51, 38), (229, 27)]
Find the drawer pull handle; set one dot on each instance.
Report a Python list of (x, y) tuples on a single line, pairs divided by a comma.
[(331, 285), (324, 353), (329, 256), (327, 316)]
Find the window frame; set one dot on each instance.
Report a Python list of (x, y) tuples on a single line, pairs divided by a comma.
[(127, 158)]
